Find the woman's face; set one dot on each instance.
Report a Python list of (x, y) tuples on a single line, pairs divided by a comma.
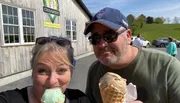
[(50, 72)]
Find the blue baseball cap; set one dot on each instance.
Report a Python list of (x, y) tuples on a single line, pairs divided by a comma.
[(109, 17)]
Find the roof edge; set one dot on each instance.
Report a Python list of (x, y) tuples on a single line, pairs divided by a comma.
[(83, 6)]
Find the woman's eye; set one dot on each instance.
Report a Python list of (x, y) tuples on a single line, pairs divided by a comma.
[(62, 70), (42, 71)]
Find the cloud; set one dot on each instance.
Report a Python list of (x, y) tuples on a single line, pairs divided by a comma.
[(96, 5), (164, 9), (116, 2), (155, 8)]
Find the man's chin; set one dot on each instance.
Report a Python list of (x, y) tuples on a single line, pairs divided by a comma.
[(105, 58)]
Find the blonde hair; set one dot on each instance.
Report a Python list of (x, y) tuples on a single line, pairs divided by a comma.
[(58, 53)]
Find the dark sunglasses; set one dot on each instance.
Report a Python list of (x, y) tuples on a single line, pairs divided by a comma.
[(109, 36), (58, 40)]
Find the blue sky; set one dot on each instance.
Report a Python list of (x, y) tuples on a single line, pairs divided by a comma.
[(154, 8)]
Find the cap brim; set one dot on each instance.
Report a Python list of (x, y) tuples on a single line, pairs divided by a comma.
[(103, 22)]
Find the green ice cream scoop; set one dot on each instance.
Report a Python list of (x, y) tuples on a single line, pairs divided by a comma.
[(54, 95)]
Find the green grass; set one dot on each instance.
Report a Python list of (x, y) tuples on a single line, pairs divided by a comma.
[(154, 31)]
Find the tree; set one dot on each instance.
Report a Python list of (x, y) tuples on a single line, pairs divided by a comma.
[(143, 16), (159, 20), (130, 19), (163, 19), (168, 20), (149, 20), (136, 25), (141, 20), (176, 20)]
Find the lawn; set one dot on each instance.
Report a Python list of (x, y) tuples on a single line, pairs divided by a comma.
[(154, 31)]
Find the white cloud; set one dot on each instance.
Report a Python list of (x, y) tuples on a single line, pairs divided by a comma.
[(163, 8), (155, 8), (96, 5), (116, 2)]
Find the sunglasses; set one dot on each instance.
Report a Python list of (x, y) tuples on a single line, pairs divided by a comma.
[(58, 40), (61, 42), (109, 36)]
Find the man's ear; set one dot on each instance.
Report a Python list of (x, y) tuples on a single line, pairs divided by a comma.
[(129, 36)]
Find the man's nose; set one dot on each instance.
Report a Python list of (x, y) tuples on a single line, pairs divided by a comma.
[(102, 43)]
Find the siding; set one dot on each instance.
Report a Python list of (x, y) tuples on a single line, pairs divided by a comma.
[(16, 59)]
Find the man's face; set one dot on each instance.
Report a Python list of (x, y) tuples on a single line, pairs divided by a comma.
[(114, 52)]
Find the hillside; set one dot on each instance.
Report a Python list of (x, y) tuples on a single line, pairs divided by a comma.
[(154, 31)]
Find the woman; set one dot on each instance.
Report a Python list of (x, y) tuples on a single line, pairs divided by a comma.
[(52, 66), (171, 47)]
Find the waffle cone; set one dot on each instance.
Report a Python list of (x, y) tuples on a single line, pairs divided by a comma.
[(112, 88)]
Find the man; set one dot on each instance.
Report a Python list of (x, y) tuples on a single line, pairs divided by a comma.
[(156, 74), (138, 42)]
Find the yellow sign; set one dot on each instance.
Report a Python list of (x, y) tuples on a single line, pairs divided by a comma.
[(52, 8), (52, 25)]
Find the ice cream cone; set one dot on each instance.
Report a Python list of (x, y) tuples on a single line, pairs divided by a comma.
[(112, 88), (53, 96)]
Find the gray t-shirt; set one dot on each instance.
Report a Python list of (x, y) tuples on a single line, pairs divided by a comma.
[(156, 75)]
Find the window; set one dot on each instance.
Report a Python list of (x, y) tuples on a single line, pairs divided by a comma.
[(71, 32), (28, 25), (74, 30), (68, 29), (12, 26)]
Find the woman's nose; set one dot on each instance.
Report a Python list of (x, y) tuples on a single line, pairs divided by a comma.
[(53, 79)]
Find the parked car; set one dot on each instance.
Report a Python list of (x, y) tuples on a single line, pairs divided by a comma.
[(146, 43), (163, 42)]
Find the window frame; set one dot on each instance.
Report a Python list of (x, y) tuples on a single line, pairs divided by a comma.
[(20, 26), (28, 26), (71, 29)]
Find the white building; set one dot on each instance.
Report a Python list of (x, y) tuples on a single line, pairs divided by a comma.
[(22, 21)]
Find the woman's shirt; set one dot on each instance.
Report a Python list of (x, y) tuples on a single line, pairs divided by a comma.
[(21, 96)]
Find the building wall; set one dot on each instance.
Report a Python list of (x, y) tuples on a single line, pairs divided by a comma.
[(16, 58)]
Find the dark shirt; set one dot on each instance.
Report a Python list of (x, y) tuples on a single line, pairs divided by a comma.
[(21, 96)]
